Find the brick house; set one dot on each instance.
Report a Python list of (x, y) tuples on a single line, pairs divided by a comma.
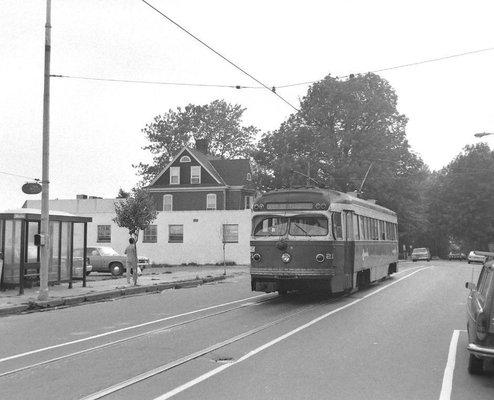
[(194, 180)]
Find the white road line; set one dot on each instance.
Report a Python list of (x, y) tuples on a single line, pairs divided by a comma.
[(124, 329), (447, 385), (215, 371)]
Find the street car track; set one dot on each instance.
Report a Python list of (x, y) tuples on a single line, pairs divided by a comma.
[(27, 353), (183, 360)]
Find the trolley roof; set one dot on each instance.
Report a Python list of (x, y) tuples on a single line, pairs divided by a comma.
[(314, 194)]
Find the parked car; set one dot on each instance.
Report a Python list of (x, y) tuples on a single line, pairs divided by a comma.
[(78, 267), (421, 253), (456, 255), (143, 262), (480, 319), (475, 258)]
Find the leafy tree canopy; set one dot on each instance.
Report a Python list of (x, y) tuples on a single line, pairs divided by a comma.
[(344, 126), (136, 212), (461, 206), (218, 121)]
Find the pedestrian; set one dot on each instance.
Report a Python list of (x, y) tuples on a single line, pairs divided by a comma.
[(131, 264)]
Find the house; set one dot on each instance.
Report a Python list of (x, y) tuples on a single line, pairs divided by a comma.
[(203, 205), (194, 180)]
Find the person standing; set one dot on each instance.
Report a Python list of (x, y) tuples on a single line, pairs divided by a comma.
[(131, 252)]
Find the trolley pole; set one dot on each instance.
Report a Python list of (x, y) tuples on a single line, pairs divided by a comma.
[(45, 181)]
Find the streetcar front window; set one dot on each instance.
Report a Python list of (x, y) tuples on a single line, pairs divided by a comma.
[(270, 226), (308, 226)]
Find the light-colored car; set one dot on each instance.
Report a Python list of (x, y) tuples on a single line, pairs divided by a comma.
[(456, 255), (78, 267), (480, 319), (421, 253), (106, 259), (475, 258)]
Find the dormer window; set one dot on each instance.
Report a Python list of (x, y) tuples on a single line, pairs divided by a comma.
[(195, 174), (185, 159), (174, 175), (249, 176)]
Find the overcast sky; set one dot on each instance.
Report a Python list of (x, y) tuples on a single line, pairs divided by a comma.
[(95, 133)]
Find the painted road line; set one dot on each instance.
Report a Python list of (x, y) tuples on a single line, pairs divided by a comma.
[(125, 329), (447, 385), (126, 339), (215, 371)]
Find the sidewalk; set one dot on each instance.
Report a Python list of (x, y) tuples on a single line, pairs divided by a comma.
[(100, 287)]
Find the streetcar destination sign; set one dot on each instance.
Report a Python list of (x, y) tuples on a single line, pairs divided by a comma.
[(31, 188)]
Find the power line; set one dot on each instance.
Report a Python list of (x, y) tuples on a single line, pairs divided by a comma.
[(156, 82), (412, 64), (20, 176), (272, 89)]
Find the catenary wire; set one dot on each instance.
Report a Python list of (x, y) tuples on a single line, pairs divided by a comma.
[(412, 64), (220, 55), (20, 176), (90, 78)]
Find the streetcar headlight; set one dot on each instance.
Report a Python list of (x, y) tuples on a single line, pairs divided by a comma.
[(256, 257), (261, 206), (256, 207), (320, 257), (285, 257), (323, 206)]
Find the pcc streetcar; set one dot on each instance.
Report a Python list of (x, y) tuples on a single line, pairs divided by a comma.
[(315, 239)]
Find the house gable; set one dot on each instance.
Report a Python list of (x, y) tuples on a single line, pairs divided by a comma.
[(209, 176)]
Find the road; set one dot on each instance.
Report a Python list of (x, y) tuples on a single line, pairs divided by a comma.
[(402, 338)]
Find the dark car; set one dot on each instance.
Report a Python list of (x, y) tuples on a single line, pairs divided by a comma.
[(104, 259), (480, 318)]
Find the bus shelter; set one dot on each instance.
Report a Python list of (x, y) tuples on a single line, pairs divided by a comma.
[(20, 256)]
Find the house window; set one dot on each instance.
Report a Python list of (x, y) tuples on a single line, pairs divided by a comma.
[(104, 234), (175, 233), (248, 200), (230, 233), (195, 174), (150, 234), (174, 175), (185, 159), (211, 201), (249, 176), (167, 202)]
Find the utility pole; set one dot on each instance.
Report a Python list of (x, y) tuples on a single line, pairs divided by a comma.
[(45, 181)]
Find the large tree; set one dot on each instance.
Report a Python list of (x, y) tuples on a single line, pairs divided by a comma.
[(343, 128), (218, 121), (461, 209)]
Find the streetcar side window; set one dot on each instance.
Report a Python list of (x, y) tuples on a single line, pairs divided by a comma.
[(269, 226), (337, 227)]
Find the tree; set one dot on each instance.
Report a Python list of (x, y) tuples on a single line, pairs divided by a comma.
[(218, 121), (136, 212), (122, 194), (343, 128), (461, 207)]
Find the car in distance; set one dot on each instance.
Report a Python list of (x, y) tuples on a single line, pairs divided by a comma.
[(456, 255), (421, 253), (143, 262), (480, 318), (473, 257)]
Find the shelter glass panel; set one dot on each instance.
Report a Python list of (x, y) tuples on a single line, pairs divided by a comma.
[(32, 250), (65, 251), (12, 256), (54, 251)]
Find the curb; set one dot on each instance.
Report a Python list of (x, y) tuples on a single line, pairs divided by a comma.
[(107, 294)]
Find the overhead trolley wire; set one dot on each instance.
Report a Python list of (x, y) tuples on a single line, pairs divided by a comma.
[(272, 89), (412, 64), (156, 82), (19, 176)]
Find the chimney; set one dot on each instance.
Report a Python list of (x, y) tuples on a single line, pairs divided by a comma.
[(202, 145)]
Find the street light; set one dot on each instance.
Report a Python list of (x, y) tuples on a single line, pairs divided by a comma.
[(482, 134)]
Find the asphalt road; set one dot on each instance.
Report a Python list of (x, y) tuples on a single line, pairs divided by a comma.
[(402, 338)]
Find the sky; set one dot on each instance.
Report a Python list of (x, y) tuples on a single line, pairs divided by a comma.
[(95, 126)]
